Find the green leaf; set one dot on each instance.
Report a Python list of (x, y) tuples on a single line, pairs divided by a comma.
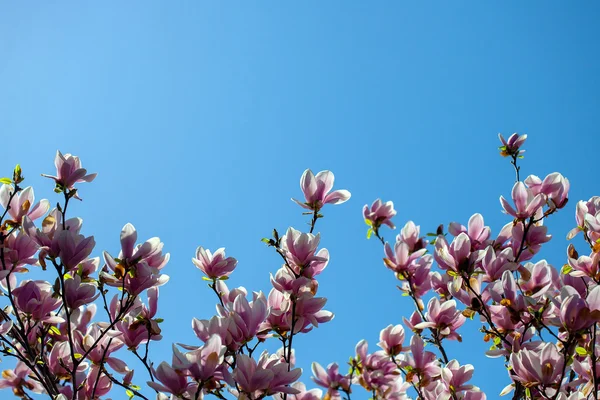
[(68, 276), (6, 181), (581, 351), (54, 330), (265, 240), (223, 278), (206, 278), (369, 233), (368, 222), (566, 269), (527, 392), (158, 321), (129, 393), (78, 356), (135, 387)]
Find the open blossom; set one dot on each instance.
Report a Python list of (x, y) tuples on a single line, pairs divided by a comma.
[(401, 259), (214, 265), (78, 293), (300, 248), (477, 232), (69, 171), (17, 380), (554, 186), (331, 379), (202, 362), (455, 378), (22, 204), (454, 257), (444, 317), (19, 250), (537, 366), (377, 372), (391, 339), (267, 377), (379, 214), (35, 298), (526, 204), (171, 380), (138, 267), (316, 190), (511, 147), (424, 365)]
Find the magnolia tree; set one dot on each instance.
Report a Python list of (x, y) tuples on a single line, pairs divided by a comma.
[(541, 322)]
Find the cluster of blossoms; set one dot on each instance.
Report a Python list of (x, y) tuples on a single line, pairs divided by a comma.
[(62, 348), (516, 298)]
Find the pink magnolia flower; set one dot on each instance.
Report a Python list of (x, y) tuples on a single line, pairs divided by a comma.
[(477, 232), (584, 266), (267, 377), (22, 204), (376, 371), (36, 299), (410, 234), (536, 278), (214, 265), (445, 318), (78, 293), (525, 202), (401, 259), (202, 362), (554, 186), (454, 378), (19, 250), (379, 214), (69, 172), (222, 326), (106, 345), (316, 190), (138, 267), (72, 247), (536, 236), (456, 256), (583, 209), (331, 379), (248, 316), (60, 363), (300, 249), (511, 147), (424, 365), (540, 366), (17, 380), (494, 264), (171, 380), (391, 339)]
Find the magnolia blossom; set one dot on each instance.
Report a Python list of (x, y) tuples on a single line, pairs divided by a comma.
[(511, 147), (266, 377), (391, 339), (540, 366), (477, 232), (214, 265), (331, 379), (69, 171), (379, 214), (36, 299), (445, 318), (317, 190), (22, 204), (526, 204)]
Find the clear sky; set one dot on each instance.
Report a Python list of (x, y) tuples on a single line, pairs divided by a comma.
[(200, 117)]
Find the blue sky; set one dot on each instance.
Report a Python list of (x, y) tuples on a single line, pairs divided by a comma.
[(200, 117)]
